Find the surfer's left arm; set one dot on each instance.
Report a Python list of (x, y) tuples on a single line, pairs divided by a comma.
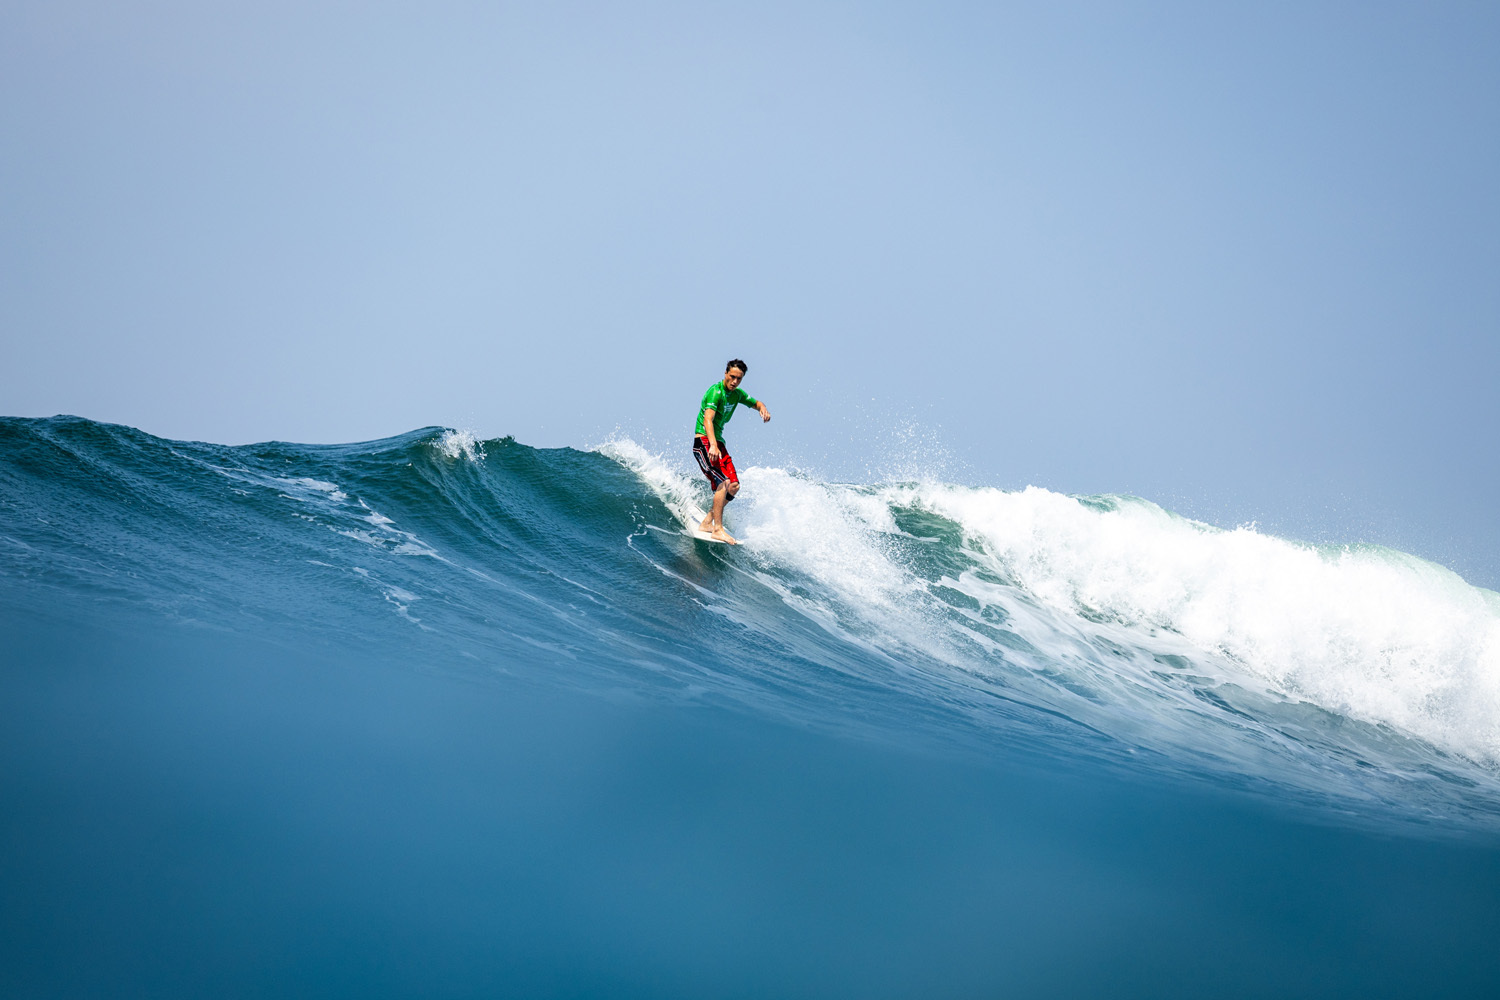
[(765, 414)]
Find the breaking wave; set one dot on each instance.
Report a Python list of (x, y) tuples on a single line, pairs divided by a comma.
[(1083, 631)]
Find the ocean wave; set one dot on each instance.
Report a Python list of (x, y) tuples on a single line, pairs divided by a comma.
[(1102, 629)]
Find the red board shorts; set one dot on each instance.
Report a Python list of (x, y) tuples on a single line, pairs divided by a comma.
[(719, 472)]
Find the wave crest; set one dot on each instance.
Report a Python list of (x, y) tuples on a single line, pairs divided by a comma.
[(459, 444)]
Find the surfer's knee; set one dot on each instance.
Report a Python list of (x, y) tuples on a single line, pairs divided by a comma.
[(732, 489)]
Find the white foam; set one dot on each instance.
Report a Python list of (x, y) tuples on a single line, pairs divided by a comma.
[(798, 530), (307, 487), (828, 533), (404, 542), (459, 444), (671, 486), (1371, 634)]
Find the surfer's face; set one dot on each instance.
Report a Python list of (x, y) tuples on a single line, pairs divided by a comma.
[(732, 378)]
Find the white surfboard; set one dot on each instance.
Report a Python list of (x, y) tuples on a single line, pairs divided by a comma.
[(704, 536), (696, 517)]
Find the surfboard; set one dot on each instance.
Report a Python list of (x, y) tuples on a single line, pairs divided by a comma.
[(704, 536), (695, 518)]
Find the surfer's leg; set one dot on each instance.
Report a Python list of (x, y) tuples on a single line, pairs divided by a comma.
[(714, 519), (731, 481), (724, 493), (722, 479), (715, 483), (721, 497)]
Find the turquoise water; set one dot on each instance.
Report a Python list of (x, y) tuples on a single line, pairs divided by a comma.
[(468, 718)]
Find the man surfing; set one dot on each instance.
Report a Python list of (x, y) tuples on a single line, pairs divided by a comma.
[(709, 449)]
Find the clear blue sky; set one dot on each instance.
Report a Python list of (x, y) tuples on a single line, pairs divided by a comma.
[(1243, 260)]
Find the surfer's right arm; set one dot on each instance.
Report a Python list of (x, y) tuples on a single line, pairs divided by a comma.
[(708, 430)]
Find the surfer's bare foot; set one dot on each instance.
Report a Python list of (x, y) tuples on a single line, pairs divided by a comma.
[(706, 525), (724, 536)]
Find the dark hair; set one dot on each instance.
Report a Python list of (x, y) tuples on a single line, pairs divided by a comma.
[(737, 363)]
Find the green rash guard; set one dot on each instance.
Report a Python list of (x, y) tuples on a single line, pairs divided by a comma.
[(723, 402)]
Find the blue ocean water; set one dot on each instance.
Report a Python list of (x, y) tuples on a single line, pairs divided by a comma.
[(448, 717)]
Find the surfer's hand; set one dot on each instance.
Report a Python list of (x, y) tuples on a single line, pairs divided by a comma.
[(765, 414), (714, 454)]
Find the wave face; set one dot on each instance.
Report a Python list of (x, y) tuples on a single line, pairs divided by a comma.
[(1361, 683)]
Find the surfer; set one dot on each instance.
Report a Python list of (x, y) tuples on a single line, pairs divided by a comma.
[(709, 449)]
